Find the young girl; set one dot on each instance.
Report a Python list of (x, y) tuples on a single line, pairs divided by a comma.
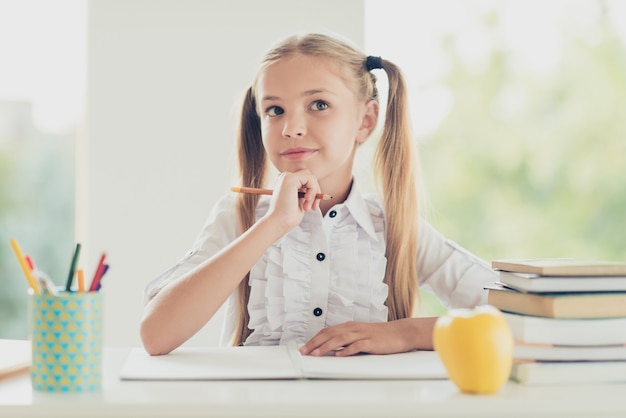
[(339, 275)]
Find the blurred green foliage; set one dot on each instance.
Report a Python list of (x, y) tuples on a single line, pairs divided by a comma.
[(531, 164)]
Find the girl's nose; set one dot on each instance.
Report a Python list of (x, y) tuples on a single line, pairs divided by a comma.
[(294, 127)]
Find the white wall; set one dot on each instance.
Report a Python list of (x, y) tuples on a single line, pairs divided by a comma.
[(164, 83)]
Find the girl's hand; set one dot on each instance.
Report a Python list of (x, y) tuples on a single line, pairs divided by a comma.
[(286, 205), (374, 338)]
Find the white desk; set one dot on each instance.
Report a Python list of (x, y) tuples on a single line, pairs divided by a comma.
[(303, 398)]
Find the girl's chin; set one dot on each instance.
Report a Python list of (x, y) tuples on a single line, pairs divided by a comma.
[(293, 168)]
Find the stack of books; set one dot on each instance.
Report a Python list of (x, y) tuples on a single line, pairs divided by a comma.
[(568, 317)]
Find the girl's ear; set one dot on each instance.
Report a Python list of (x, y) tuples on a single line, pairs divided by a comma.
[(368, 122)]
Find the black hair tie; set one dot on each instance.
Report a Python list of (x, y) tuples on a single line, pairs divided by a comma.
[(373, 63)]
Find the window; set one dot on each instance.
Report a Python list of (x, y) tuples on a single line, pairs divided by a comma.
[(42, 50), (518, 110)]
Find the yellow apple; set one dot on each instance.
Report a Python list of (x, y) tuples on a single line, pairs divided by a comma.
[(476, 348)]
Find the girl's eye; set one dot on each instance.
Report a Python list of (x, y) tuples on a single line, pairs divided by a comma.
[(319, 105), (274, 111)]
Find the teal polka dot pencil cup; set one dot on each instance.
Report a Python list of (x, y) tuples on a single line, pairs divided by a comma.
[(66, 336)]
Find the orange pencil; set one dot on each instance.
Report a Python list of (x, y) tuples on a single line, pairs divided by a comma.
[(81, 280), (252, 190)]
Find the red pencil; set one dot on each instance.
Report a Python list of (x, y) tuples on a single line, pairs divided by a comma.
[(98, 274), (104, 271), (29, 261)]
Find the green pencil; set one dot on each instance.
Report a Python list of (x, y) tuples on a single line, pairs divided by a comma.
[(68, 286)]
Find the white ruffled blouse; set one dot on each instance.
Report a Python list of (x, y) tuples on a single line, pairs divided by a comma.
[(329, 270)]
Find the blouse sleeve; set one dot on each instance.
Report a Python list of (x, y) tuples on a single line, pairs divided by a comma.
[(220, 229), (454, 274)]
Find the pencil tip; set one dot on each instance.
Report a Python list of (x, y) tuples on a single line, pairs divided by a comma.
[(235, 189)]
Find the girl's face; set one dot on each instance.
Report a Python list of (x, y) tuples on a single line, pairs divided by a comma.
[(311, 119)]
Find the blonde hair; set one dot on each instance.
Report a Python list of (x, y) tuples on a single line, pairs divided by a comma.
[(395, 166)]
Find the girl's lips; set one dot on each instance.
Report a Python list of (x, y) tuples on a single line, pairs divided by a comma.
[(297, 153)]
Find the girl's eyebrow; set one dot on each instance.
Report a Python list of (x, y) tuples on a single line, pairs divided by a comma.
[(315, 91), (304, 94)]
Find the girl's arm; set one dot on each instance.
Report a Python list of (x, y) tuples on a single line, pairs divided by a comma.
[(181, 308), (455, 275), (390, 337)]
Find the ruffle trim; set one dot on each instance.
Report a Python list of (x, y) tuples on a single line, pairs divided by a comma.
[(280, 281), (356, 291)]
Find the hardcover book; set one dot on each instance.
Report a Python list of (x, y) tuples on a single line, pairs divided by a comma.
[(561, 331), (568, 373), (562, 267), (530, 282), (551, 352), (558, 305)]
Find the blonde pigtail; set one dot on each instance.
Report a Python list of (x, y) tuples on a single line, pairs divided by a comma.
[(395, 168), (252, 167)]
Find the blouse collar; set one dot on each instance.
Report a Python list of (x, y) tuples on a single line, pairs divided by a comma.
[(360, 211)]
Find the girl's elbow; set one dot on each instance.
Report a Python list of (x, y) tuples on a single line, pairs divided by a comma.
[(151, 339)]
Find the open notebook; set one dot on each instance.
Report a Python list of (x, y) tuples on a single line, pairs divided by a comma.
[(277, 362)]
